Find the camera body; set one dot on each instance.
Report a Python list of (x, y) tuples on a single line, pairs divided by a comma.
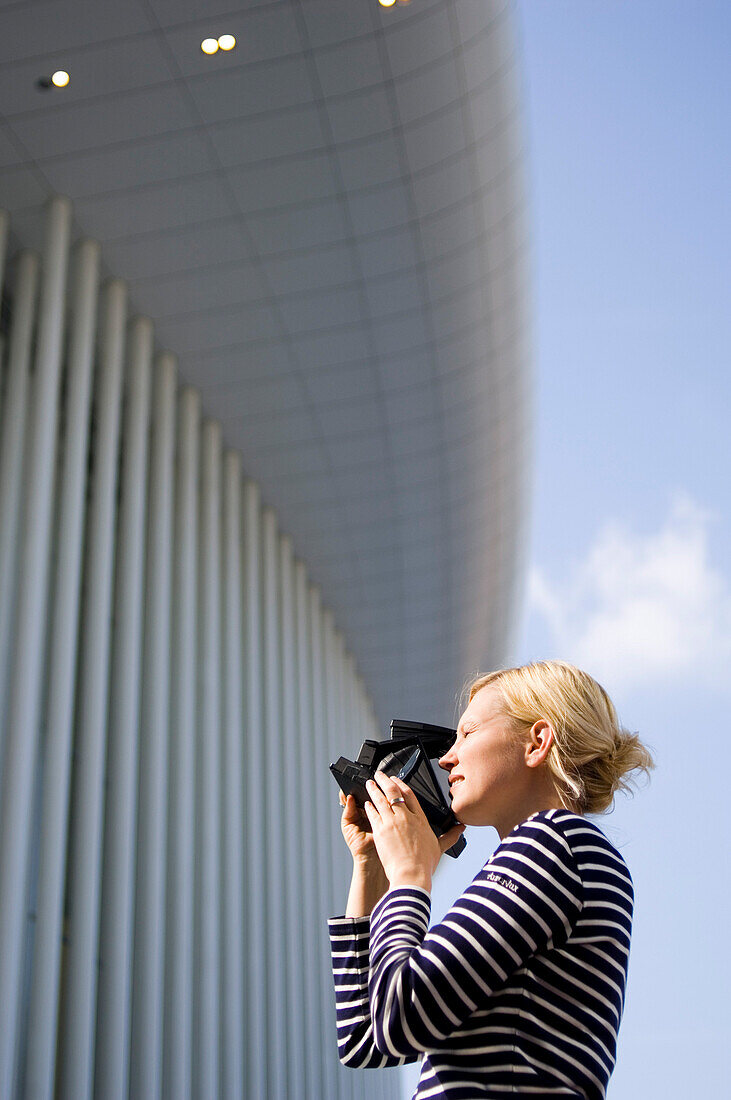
[(408, 755)]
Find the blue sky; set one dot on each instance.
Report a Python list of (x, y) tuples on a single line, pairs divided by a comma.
[(628, 116)]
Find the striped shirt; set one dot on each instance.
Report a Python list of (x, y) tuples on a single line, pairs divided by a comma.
[(518, 992)]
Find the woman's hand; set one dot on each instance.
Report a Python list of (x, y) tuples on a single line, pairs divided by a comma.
[(369, 882), (356, 831), (408, 848)]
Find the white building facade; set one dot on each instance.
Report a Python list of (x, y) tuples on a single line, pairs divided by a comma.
[(263, 484)]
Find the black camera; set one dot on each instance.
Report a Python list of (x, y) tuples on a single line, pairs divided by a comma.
[(407, 755)]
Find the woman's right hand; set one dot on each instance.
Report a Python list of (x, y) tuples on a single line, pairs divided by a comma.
[(357, 831)]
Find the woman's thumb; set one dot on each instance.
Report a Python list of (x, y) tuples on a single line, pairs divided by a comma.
[(448, 839)]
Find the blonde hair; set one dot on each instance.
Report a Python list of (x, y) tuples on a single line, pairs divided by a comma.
[(592, 756)]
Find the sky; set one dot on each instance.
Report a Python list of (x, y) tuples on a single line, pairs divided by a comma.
[(628, 152)]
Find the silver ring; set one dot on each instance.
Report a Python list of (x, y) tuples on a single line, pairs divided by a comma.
[(393, 801)]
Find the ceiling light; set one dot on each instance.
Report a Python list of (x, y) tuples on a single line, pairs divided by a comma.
[(209, 45), (227, 42), (387, 3), (60, 79)]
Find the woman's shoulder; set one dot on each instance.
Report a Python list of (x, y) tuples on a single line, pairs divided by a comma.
[(562, 829), (589, 845)]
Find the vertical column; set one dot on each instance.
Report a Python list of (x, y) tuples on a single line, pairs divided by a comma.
[(22, 731), (276, 937), (149, 937), (334, 741), (117, 899), (3, 244), (313, 927), (329, 742), (257, 991), (3, 250), (177, 1040), (64, 623), (293, 791), (206, 1001), (87, 802), (323, 795), (14, 414), (232, 786)]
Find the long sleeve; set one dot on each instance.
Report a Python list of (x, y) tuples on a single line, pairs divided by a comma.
[(349, 939), (424, 985)]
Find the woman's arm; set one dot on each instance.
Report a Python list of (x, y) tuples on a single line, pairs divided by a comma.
[(424, 985), (367, 887), (349, 938)]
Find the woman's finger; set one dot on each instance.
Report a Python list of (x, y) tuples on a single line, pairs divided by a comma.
[(405, 792), (370, 811), (379, 799), (448, 839)]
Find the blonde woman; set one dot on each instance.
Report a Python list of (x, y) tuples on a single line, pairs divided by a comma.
[(519, 991)]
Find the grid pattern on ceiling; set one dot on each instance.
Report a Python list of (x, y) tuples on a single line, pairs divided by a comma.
[(323, 224)]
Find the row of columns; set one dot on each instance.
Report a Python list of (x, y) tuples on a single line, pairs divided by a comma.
[(172, 690)]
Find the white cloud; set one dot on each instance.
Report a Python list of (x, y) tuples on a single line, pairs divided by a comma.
[(643, 608)]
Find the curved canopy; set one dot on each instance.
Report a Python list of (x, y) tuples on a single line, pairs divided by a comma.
[(325, 224)]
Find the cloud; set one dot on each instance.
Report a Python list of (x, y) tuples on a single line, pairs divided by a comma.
[(643, 608)]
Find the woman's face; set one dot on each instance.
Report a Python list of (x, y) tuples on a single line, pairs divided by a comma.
[(488, 777)]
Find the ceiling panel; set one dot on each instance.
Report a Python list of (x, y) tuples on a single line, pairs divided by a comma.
[(262, 34), (9, 151), (180, 296), (167, 157), (309, 219), (414, 44), (241, 91), (201, 246), (349, 67), (268, 137), (112, 68), (303, 313), (163, 206), (65, 127), (370, 161), (172, 12), (329, 266), (329, 23), (426, 91), (291, 182), (321, 223), (362, 115), (50, 29)]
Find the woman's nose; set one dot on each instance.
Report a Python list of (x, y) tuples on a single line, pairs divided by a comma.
[(447, 761)]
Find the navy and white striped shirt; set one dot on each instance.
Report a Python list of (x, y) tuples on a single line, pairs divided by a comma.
[(519, 991)]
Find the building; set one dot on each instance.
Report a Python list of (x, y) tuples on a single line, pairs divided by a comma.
[(263, 479)]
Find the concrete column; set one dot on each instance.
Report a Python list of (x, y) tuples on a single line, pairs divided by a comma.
[(26, 681), (232, 789), (257, 985), (87, 803), (313, 928), (294, 803), (149, 937), (206, 1001), (12, 440), (117, 898), (177, 1040), (64, 625), (277, 1084)]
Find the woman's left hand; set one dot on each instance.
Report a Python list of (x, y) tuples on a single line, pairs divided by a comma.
[(408, 848)]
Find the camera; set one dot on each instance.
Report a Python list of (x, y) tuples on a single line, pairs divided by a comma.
[(408, 755)]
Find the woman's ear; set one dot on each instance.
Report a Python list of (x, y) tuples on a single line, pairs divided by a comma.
[(539, 743)]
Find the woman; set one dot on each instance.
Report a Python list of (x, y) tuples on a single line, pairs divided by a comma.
[(519, 990)]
